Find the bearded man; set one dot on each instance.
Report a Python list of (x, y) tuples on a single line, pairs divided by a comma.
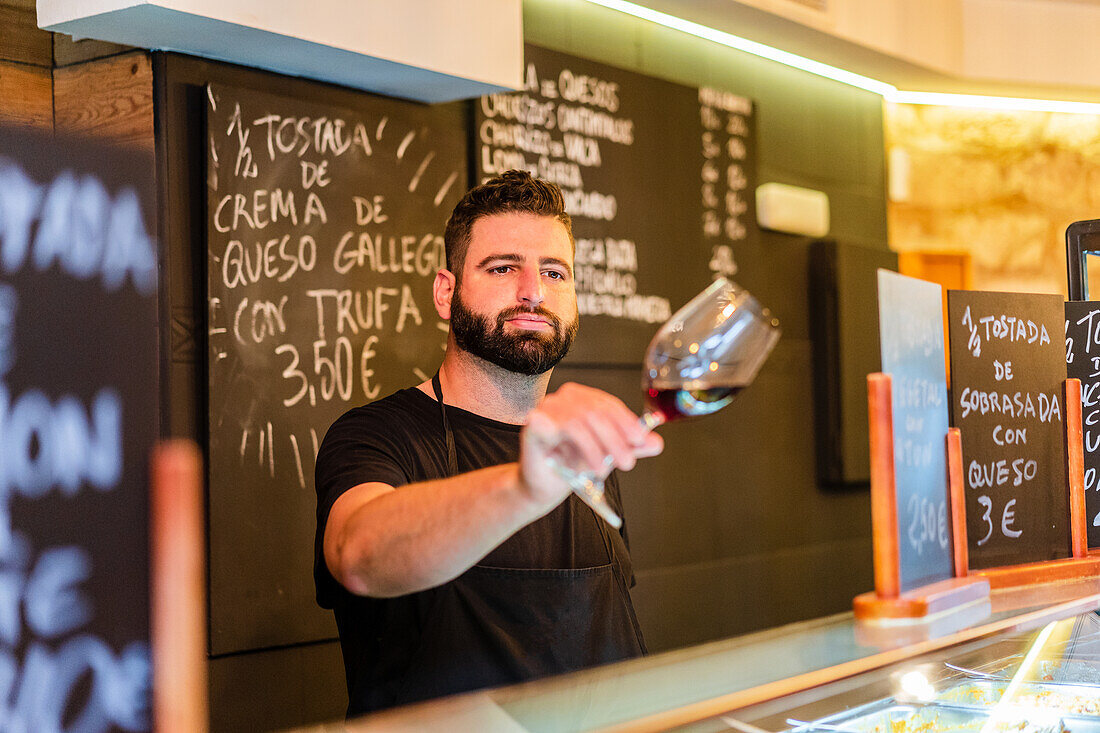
[(452, 556)]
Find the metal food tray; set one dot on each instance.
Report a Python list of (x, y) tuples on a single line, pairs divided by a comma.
[(1074, 662), (929, 718), (889, 717), (1048, 671), (1076, 700), (1071, 672)]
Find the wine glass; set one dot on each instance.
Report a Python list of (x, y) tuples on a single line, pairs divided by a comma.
[(708, 352)]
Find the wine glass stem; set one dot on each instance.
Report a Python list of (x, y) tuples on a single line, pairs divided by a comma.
[(587, 485)]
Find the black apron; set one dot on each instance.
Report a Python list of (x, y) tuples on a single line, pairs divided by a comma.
[(494, 626)]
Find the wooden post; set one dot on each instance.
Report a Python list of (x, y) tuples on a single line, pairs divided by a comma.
[(956, 492), (178, 619), (26, 94), (109, 99), (1075, 468), (884, 509)]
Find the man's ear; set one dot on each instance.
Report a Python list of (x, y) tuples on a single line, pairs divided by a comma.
[(443, 289)]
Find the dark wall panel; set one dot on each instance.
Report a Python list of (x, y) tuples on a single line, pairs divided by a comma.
[(277, 689), (682, 606)]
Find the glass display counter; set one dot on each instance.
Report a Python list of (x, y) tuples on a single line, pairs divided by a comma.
[(1031, 664)]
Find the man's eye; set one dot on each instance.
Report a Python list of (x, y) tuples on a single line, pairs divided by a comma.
[(554, 274), (501, 269)]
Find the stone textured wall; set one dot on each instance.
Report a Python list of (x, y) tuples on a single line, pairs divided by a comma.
[(1002, 186)]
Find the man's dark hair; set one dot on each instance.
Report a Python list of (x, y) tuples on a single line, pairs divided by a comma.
[(512, 192)]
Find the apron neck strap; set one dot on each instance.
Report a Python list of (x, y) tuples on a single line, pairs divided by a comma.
[(452, 458)]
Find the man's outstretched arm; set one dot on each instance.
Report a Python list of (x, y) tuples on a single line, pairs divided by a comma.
[(382, 542)]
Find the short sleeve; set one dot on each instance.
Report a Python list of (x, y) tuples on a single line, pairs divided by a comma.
[(361, 447)]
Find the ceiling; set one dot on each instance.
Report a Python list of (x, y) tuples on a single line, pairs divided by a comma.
[(1020, 48)]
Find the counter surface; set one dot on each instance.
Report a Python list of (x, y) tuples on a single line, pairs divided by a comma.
[(678, 687)]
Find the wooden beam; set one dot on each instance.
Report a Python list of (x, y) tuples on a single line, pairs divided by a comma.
[(25, 96), (21, 39), (111, 99)]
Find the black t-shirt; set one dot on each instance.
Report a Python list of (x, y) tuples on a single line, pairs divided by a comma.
[(400, 440)]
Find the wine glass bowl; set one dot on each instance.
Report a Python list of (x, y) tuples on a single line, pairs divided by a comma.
[(696, 364), (709, 351)]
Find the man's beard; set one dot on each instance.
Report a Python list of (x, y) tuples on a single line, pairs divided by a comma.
[(523, 352)]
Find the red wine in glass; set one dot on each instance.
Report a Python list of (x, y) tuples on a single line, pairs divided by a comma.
[(674, 404)]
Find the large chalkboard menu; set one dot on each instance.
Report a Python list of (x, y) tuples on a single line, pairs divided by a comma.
[(325, 231), (1083, 362), (78, 418), (911, 338), (1007, 372), (657, 178)]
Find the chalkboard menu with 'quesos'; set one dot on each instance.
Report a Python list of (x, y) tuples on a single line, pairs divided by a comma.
[(78, 419), (1083, 362), (657, 178), (325, 232), (1007, 373)]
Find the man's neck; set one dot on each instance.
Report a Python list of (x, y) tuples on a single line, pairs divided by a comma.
[(485, 389)]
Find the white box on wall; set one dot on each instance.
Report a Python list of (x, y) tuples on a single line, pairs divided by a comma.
[(427, 50), (791, 209)]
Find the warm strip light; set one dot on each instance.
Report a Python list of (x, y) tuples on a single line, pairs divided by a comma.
[(1005, 103), (888, 91), (744, 44)]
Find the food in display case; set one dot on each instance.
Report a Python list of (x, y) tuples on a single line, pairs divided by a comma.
[(1075, 699), (1046, 681), (1070, 671), (893, 718)]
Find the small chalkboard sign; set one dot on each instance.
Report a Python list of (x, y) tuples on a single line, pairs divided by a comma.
[(78, 418), (1083, 362), (911, 338), (1008, 370), (1082, 244), (324, 235), (656, 176)]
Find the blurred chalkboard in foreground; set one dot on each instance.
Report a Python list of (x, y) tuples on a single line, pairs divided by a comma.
[(325, 232), (77, 422), (1007, 373), (1083, 362), (911, 335)]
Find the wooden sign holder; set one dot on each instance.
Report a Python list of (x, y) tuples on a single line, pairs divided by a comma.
[(888, 603), (1081, 565), (178, 569)]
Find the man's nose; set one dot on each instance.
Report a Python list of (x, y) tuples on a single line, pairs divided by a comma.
[(530, 289)]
